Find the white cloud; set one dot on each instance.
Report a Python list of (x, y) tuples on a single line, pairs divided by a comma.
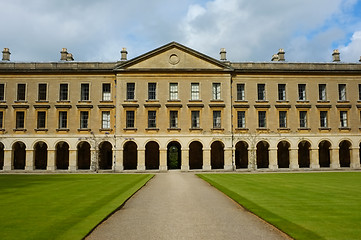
[(352, 51)]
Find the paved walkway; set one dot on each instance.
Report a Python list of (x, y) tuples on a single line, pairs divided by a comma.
[(178, 205)]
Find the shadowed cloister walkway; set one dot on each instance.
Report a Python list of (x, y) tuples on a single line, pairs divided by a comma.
[(176, 205)]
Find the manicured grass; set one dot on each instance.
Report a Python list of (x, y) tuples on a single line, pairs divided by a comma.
[(64, 206), (304, 205)]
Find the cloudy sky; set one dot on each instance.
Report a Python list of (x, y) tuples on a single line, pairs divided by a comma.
[(96, 30)]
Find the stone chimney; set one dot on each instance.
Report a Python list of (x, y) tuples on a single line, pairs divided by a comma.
[(63, 54), (223, 54), (336, 55), (281, 55), (6, 54), (69, 57), (123, 54), (360, 59), (274, 58)]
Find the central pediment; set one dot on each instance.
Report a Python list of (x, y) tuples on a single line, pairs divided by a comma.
[(173, 56)]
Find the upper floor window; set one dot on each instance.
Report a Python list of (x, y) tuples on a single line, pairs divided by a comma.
[(241, 119), (194, 91), (1, 120), (343, 119), (173, 119), (105, 119), (216, 91), (41, 121), (130, 91), (282, 92), (63, 93), (216, 119), (130, 119), (173, 91), (2, 92), (342, 92), (359, 92), (84, 92), (302, 92), (42, 87), (282, 119), (152, 119), (21, 92), (261, 92), (195, 119), (323, 119), (240, 92), (84, 119), (262, 123), (152, 91), (322, 92), (303, 119), (63, 119), (20, 120), (106, 93)]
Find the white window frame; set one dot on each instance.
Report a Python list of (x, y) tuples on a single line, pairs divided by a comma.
[(106, 93), (173, 119), (106, 120), (322, 92), (261, 92), (323, 119), (241, 92), (241, 119), (282, 92), (343, 119), (173, 91), (303, 119), (262, 119), (195, 119), (217, 119), (342, 92), (282, 119), (302, 92), (194, 91), (216, 91), (84, 120)]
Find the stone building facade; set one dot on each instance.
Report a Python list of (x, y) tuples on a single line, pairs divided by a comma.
[(175, 108)]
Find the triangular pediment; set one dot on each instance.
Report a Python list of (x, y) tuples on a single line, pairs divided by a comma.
[(173, 56)]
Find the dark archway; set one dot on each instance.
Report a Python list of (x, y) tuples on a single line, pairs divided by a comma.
[(2, 156), (130, 155), (41, 155), (62, 155), (262, 155), (195, 155), (241, 155), (304, 154), (174, 155), (283, 154), (217, 155), (152, 155), (19, 155), (345, 154), (83, 155), (324, 153), (105, 155)]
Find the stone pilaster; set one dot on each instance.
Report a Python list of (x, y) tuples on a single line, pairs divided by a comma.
[(185, 159), (355, 158), (8, 163), (141, 160), (228, 161), (163, 159), (334, 158), (119, 161), (273, 164), (294, 158), (72, 161), (206, 159), (51, 160), (314, 162), (29, 160)]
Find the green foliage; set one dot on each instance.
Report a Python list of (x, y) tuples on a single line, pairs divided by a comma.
[(61, 206), (304, 205)]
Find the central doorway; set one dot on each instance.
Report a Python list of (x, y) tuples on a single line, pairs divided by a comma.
[(174, 155)]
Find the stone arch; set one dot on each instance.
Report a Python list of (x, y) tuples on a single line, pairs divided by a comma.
[(262, 154), (19, 155), (174, 155), (83, 155), (62, 155), (130, 155), (283, 154), (2, 156), (217, 155), (324, 156), (304, 154), (195, 155), (241, 154), (152, 155), (344, 153), (41, 155), (105, 155)]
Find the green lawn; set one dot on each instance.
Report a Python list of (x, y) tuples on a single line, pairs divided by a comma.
[(304, 205), (64, 206)]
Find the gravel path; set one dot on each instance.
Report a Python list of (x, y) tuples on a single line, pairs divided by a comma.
[(176, 205)]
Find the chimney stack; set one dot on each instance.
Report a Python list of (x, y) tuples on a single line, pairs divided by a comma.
[(123, 54), (63, 54), (360, 59), (281, 55), (6, 54), (336, 55), (223, 54), (69, 57), (274, 58)]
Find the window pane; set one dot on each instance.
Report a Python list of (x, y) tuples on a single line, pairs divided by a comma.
[(20, 120), (322, 92), (41, 119), (84, 119), (240, 92), (173, 91), (323, 119), (216, 90), (343, 118), (63, 119), (152, 91), (106, 95), (302, 92), (173, 121), (195, 119), (63, 95), (2, 92), (261, 92), (130, 91), (216, 119), (282, 119), (130, 119), (42, 92), (195, 91), (241, 119), (152, 119), (303, 119), (106, 120), (342, 92), (281, 92), (1, 120), (261, 119), (21, 92), (84, 92)]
